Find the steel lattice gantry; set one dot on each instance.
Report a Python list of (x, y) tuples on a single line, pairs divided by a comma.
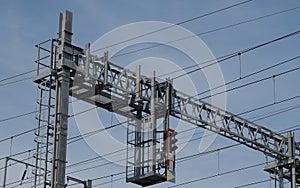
[(143, 100)]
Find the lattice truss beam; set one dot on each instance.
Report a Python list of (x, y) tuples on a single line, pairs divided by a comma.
[(229, 125), (126, 91), (109, 86)]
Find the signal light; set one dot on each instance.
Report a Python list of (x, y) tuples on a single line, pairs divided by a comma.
[(173, 141)]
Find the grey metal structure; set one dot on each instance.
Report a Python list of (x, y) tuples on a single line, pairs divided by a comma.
[(7, 159), (85, 183), (76, 72), (45, 120), (52, 144)]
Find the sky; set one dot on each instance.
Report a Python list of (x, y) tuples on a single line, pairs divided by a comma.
[(26, 23)]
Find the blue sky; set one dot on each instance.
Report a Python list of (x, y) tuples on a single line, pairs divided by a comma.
[(26, 23)]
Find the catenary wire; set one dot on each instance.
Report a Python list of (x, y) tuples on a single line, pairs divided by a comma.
[(210, 31), (17, 75), (18, 116), (237, 53), (177, 185), (30, 130), (277, 112), (16, 81), (217, 175), (249, 75), (20, 134), (253, 183), (206, 32), (218, 29), (168, 27), (253, 82)]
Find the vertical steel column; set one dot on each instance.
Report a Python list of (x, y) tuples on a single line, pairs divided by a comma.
[(291, 144), (62, 102), (293, 182), (137, 83), (38, 60), (168, 105), (143, 148), (138, 127), (167, 119), (61, 127), (138, 141), (152, 136), (88, 184), (87, 61), (280, 176), (105, 69)]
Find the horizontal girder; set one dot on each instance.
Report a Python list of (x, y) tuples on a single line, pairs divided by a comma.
[(109, 86)]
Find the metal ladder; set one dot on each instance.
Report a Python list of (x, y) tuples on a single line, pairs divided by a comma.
[(44, 134)]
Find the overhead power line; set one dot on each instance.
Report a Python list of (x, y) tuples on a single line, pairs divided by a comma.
[(253, 82), (199, 34), (16, 81), (234, 54), (179, 23), (18, 116), (16, 154), (276, 112), (82, 136), (218, 175), (33, 112), (250, 75), (180, 160), (19, 134), (207, 32), (253, 183), (17, 75), (187, 182)]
